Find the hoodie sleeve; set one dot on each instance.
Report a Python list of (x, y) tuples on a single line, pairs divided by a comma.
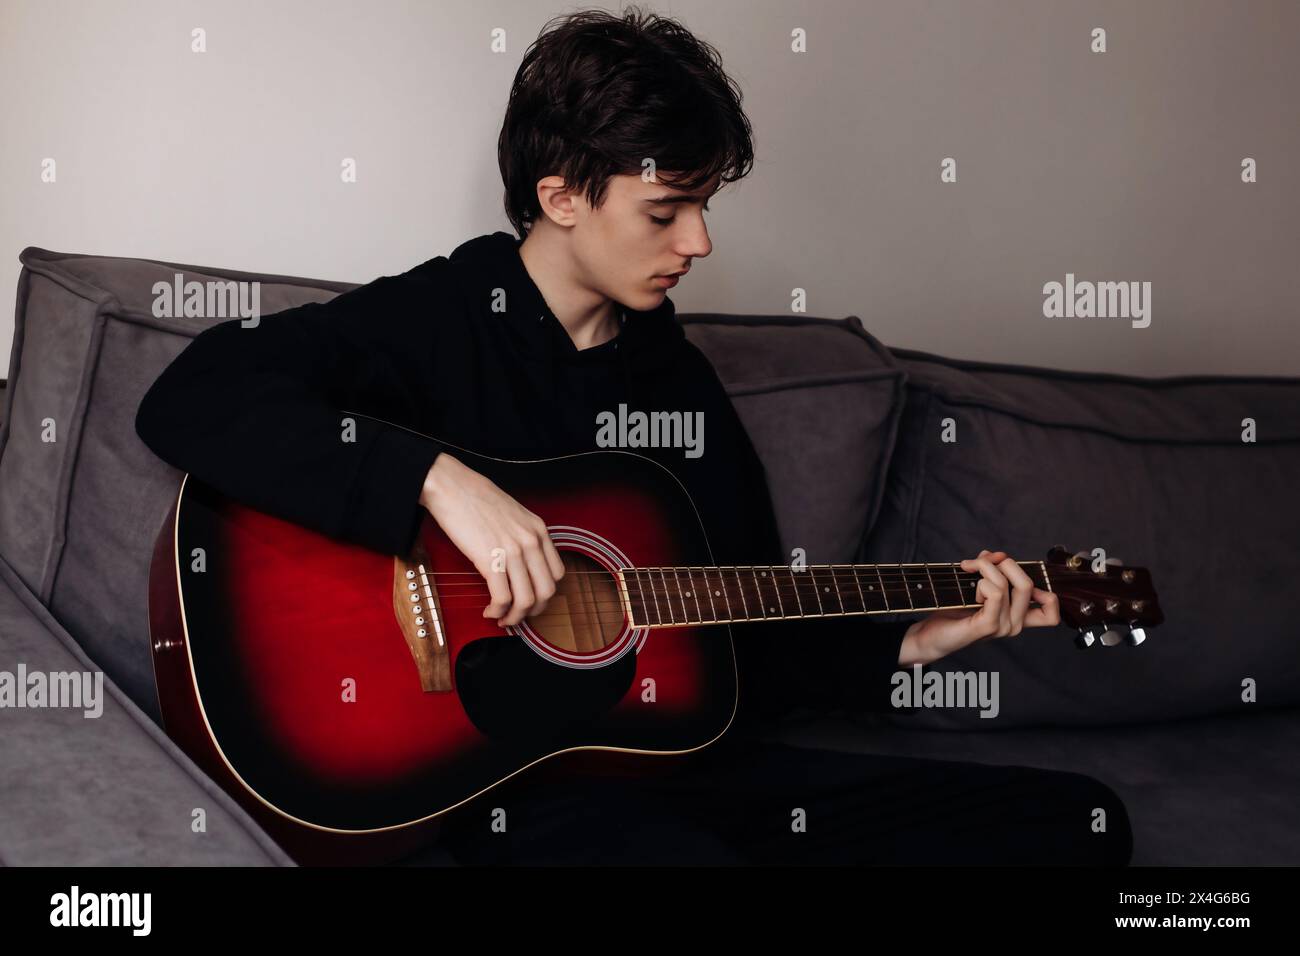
[(260, 412), (826, 664)]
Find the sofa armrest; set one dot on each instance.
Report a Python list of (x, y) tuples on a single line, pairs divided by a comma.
[(110, 789)]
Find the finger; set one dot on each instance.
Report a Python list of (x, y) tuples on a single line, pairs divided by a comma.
[(1048, 614), (521, 589), (1004, 617), (985, 566), (987, 620), (1022, 590), (553, 559), (498, 583), (540, 575), (990, 573)]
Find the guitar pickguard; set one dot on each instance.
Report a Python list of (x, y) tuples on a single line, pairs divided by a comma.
[(514, 696)]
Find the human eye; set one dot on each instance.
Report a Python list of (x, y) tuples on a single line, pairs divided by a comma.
[(661, 222)]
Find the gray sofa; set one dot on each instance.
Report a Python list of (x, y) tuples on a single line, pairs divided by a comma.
[(1154, 471)]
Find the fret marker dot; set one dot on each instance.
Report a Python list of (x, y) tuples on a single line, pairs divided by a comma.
[(825, 589), (717, 593), (772, 609), (688, 593)]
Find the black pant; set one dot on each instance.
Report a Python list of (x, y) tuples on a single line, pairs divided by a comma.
[(741, 807)]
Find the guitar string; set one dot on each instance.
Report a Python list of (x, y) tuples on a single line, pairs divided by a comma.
[(735, 574), (717, 611), (817, 568), (678, 587), (463, 600), (675, 591)]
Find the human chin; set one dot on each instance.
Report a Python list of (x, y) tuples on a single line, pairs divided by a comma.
[(646, 298)]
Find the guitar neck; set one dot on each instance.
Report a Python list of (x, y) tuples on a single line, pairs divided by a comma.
[(668, 597)]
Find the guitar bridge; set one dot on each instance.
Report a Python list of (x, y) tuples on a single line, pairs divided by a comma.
[(415, 602)]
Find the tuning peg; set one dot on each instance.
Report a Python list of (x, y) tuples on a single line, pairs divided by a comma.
[(1111, 637), (1087, 636), (1135, 636)]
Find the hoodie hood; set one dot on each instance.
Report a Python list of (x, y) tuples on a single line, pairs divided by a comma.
[(647, 341)]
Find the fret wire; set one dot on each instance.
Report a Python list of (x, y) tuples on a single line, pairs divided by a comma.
[(836, 589), (712, 608), (883, 592), (725, 596), (906, 588), (667, 596), (686, 615), (933, 592), (858, 582), (961, 593), (758, 589), (639, 589), (771, 575), (743, 603), (667, 604), (795, 584), (659, 616)]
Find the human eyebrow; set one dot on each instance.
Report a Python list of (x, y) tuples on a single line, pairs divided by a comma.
[(672, 199)]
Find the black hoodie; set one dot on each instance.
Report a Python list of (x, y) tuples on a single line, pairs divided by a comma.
[(465, 348)]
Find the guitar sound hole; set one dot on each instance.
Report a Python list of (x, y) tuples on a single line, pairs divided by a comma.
[(586, 613)]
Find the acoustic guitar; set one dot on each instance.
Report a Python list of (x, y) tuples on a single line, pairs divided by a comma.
[(351, 700)]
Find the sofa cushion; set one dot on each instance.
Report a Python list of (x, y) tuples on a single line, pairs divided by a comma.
[(820, 400), (79, 514), (1155, 472), (1211, 791), (104, 790)]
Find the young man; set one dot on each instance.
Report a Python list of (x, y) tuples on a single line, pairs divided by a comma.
[(512, 349)]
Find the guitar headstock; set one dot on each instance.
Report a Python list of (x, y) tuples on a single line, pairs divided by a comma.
[(1106, 602)]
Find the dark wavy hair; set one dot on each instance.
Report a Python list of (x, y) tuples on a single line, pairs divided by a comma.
[(597, 93)]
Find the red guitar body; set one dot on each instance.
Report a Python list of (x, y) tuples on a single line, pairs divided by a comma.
[(288, 665)]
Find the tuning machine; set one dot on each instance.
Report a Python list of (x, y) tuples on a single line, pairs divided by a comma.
[(1109, 636), (1088, 636)]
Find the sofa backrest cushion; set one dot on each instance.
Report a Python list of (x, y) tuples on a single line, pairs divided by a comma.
[(1153, 471), (821, 401), (81, 497)]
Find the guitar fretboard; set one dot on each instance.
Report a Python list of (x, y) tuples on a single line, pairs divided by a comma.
[(668, 597)]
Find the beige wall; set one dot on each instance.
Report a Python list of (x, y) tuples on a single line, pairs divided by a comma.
[(1115, 166)]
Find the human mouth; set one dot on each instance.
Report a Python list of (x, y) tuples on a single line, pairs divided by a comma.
[(671, 279)]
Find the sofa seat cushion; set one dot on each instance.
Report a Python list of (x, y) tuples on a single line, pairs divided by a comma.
[(1213, 791), (104, 790)]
